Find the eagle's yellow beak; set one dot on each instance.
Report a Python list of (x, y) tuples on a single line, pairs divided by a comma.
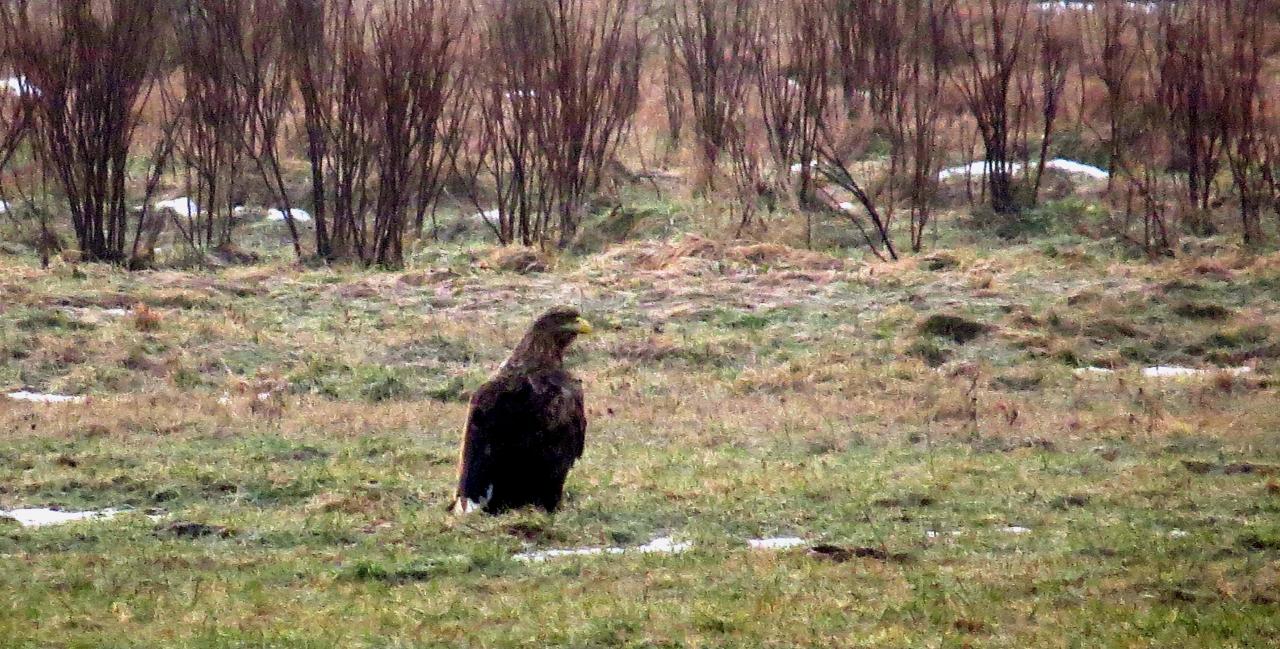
[(580, 326)]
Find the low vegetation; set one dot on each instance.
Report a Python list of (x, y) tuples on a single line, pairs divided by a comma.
[(284, 440), (964, 309)]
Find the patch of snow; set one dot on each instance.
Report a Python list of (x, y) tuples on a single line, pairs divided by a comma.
[(19, 86), (799, 166), (546, 555), (1093, 371), (664, 545), (41, 517), (1174, 372), (779, 543), (847, 206), (1178, 534), (661, 545), (1058, 6), (36, 397), (1077, 168), (4, 207), (299, 216), (1016, 529), (978, 169), (182, 205)]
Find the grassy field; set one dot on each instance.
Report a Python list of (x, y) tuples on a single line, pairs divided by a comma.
[(285, 439)]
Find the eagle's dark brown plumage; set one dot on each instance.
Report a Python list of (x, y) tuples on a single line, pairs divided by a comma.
[(527, 425)]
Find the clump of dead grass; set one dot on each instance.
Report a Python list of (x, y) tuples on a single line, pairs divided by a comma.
[(523, 261), (147, 319), (675, 255)]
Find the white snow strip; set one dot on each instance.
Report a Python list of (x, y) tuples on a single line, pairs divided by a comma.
[(1167, 372), (1093, 371), (19, 86), (1077, 168), (1173, 372), (661, 545), (1016, 529), (779, 543), (4, 207), (35, 397), (1057, 6), (547, 555), (182, 205), (978, 169), (299, 216), (664, 545), (41, 517), (1178, 534)]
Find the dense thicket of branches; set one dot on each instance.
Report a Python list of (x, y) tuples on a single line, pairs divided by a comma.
[(558, 85), (88, 67), (523, 105)]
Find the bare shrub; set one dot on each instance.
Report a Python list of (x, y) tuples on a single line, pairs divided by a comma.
[(713, 43), (1185, 51), (209, 36), (794, 62), (380, 85), (917, 111), (994, 44), (1244, 118), (92, 65), (560, 84)]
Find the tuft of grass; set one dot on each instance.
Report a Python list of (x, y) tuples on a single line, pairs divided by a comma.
[(712, 418), (146, 319), (1202, 311)]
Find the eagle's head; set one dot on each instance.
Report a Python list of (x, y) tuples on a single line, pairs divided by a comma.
[(544, 345), (562, 324)]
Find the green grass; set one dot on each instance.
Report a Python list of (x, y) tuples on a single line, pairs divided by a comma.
[(728, 401)]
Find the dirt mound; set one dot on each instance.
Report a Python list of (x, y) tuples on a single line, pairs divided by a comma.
[(678, 254), (779, 255), (692, 247), (515, 260)]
